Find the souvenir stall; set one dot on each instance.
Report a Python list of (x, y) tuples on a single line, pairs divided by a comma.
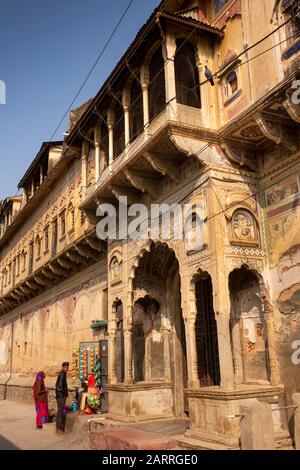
[(90, 377)]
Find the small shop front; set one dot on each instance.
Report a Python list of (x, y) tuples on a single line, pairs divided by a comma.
[(90, 366)]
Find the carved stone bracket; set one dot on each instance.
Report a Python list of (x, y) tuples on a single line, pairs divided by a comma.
[(118, 191), (144, 184), (77, 258), (277, 132), (58, 271), (64, 263), (41, 281), (49, 274), (162, 166), (87, 252), (240, 155)]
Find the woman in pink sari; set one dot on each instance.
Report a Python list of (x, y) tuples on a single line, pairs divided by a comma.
[(41, 400)]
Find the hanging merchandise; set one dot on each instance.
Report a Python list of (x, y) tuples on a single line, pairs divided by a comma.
[(98, 374), (90, 373)]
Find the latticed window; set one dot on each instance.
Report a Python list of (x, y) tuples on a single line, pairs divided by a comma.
[(136, 111), (157, 86), (187, 75), (119, 130), (104, 152)]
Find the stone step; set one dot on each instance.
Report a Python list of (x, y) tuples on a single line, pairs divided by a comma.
[(127, 438)]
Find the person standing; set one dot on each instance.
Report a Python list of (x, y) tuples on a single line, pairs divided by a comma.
[(40, 395), (61, 393)]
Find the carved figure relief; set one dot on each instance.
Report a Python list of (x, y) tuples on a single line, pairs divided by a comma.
[(244, 228)]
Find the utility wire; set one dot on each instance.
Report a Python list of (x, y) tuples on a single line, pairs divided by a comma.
[(92, 68), (215, 74)]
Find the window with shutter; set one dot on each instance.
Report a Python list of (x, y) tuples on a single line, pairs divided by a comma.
[(119, 130), (157, 86), (136, 111), (187, 75)]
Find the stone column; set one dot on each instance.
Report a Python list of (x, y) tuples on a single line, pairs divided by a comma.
[(41, 174), (237, 353), (84, 166), (225, 352), (112, 374), (195, 382), (145, 79), (126, 106), (24, 197), (128, 331), (269, 317), (97, 140), (169, 49), (111, 122), (166, 347), (190, 316)]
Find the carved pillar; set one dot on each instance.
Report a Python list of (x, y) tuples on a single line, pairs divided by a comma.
[(237, 352), (41, 174), (128, 333), (269, 317), (145, 79), (194, 376), (190, 315), (225, 352), (97, 140), (169, 49), (112, 374), (84, 166), (110, 122), (126, 106), (166, 346)]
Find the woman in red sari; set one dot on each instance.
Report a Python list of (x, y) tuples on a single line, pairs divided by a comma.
[(41, 400)]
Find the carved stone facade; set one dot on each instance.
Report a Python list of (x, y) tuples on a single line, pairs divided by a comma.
[(192, 333)]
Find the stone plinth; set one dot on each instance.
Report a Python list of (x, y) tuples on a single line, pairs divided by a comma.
[(139, 402), (215, 414), (257, 430)]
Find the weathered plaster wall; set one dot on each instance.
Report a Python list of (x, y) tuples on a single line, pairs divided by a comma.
[(282, 221), (43, 334)]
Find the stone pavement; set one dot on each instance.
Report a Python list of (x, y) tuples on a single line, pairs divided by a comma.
[(17, 431)]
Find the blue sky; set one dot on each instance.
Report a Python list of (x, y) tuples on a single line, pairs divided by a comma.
[(47, 48)]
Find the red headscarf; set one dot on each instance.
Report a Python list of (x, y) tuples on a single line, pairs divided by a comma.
[(39, 386)]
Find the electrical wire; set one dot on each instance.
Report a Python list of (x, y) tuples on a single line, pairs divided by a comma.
[(218, 71), (206, 81)]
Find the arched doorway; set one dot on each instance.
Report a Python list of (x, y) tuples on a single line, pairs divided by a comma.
[(248, 327), (158, 342), (206, 332)]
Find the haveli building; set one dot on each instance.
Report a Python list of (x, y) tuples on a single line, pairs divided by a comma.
[(190, 333)]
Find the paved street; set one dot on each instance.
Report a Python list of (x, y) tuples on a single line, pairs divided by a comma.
[(17, 430)]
